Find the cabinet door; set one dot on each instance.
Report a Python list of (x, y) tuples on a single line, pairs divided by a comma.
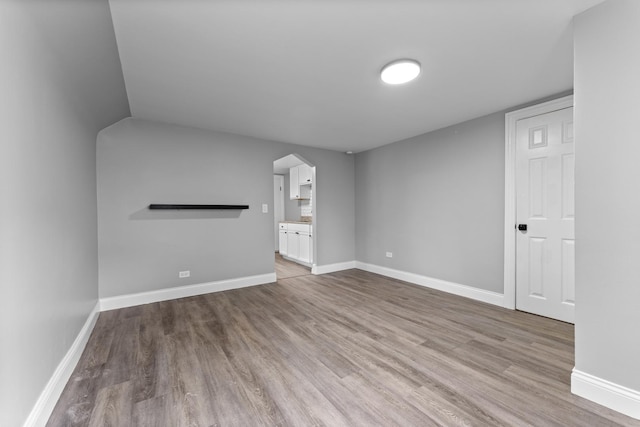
[(304, 174), (294, 187), (283, 242), (293, 244), (304, 247)]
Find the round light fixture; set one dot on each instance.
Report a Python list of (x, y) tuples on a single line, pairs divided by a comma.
[(400, 71)]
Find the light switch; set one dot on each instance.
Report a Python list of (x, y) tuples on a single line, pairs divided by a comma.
[(265, 208)]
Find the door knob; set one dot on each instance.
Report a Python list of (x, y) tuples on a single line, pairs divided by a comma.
[(522, 227)]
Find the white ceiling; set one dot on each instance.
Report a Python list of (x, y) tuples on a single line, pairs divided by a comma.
[(307, 71)]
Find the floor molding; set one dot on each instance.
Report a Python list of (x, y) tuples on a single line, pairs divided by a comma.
[(130, 300), (606, 393), (331, 268), (49, 397), (438, 284)]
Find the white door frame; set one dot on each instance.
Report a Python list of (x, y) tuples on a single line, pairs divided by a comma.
[(278, 208), (510, 189)]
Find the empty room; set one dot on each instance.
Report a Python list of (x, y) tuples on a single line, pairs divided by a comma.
[(304, 213)]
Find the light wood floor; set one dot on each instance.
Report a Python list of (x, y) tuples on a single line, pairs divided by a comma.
[(343, 349), (286, 269)]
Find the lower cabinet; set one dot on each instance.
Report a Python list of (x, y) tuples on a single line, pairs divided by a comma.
[(282, 242), (297, 241), (304, 247)]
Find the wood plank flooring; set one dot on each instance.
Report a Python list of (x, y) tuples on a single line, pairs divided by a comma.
[(343, 349), (286, 269)]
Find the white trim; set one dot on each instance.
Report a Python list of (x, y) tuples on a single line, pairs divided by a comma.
[(510, 189), (121, 301), (330, 268), (606, 393), (441, 285), (49, 397)]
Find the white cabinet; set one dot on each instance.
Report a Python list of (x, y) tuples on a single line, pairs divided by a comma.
[(293, 244), (304, 174), (300, 178), (294, 187), (296, 240), (282, 241), (304, 247)]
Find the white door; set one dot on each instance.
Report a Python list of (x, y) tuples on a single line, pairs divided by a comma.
[(278, 206), (545, 245)]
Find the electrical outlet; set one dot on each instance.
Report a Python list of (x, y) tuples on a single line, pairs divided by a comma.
[(184, 274), (389, 254), (265, 208)]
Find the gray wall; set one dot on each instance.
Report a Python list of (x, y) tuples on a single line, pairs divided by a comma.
[(437, 202), (607, 100), (142, 162), (61, 84)]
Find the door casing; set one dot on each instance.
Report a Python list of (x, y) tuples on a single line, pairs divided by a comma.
[(278, 206), (511, 119)]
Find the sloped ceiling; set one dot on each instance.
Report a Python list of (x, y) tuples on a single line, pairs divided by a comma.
[(307, 71)]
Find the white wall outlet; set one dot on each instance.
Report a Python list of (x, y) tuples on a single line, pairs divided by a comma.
[(389, 254), (184, 274), (265, 208)]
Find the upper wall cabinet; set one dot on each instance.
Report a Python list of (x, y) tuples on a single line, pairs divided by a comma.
[(304, 174), (300, 178), (294, 187)]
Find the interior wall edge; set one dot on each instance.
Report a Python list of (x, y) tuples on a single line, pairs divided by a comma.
[(51, 393)]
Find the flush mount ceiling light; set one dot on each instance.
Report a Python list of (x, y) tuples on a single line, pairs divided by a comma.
[(400, 71)]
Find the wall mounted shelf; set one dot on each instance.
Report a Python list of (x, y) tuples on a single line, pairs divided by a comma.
[(156, 206)]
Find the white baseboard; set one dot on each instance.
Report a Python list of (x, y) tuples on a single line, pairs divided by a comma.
[(606, 393), (49, 397), (330, 268), (121, 301), (441, 285)]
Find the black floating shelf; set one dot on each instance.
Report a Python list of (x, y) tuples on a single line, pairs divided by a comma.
[(166, 206)]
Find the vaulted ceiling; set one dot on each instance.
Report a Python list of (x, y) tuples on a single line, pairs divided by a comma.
[(307, 71)]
